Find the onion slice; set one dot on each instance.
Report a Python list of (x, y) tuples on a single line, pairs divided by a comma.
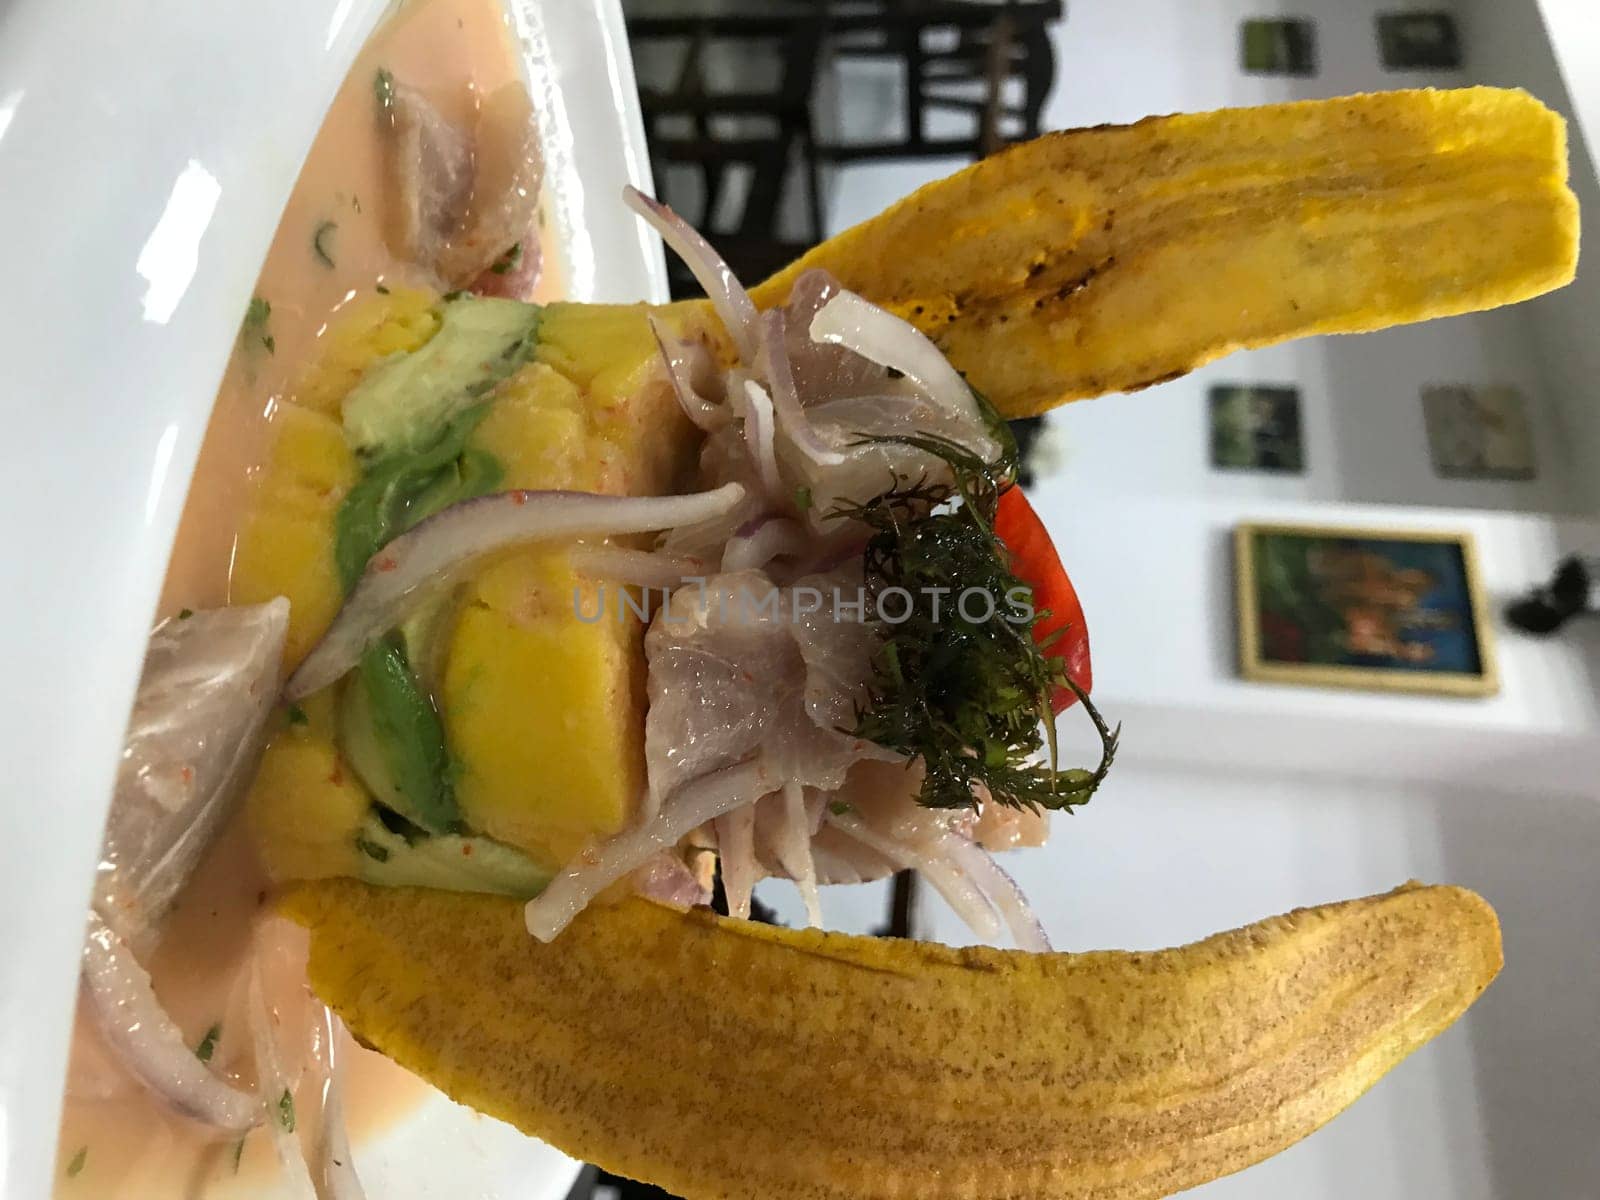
[(849, 321), (336, 1168), (772, 538), (736, 832), (960, 892), (796, 855), (273, 1086), (640, 568), (727, 294), (758, 437), (791, 414), (707, 417), (148, 1043), (1000, 889), (667, 879), (690, 807), (440, 548)]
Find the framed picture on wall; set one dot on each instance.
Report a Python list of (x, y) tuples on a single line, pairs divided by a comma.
[(1478, 432), (1256, 428), (1285, 46), (1419, 41), (1377, 609)]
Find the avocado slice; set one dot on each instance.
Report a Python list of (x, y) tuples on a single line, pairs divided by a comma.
[(392, 737), (402, 404), (449, 862), (404, 488)]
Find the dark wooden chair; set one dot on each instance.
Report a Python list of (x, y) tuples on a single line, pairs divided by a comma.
[(957, 55), (765, 133)]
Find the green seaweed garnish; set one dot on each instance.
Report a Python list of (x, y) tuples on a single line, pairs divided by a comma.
[(968, 694)]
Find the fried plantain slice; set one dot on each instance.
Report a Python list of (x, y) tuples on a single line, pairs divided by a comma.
[(1109, 259), (724, 1060)]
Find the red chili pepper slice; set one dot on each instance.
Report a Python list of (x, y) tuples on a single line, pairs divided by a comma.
[(1034, 561)]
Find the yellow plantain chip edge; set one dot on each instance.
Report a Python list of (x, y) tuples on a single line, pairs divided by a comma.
[(726, 1060)]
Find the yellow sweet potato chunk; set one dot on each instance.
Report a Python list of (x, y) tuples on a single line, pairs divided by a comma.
[(305, 805), (285, 547), (368, 330), (538, 431), (543, 711), (643, 443), (724, 1060), (1108, 259)]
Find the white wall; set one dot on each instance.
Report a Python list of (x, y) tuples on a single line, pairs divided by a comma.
[(1574, 30), (1510, 45)]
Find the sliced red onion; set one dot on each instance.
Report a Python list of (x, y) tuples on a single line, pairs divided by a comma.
[(757, 545), (708, 417), (727, 294), (758, 435), (667, 879), (273, 1085), (136, 1028), (1001, 890), (640, 568), (849, 321), (840, 859), (688, 808), (961, 893), (736, 832), (336, 1165), (795, 851), (791, 414), (450, 542)]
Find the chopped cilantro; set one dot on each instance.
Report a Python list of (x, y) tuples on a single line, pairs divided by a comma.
[(286, 1111), (802, 498), (297, 715), (208, 1044), (372, 850), (383, 89), (319, 242), (508, 260), (75, 1167), (254, 325), (382, 291), (185, 613)]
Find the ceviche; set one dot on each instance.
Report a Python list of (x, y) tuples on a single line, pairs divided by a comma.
[(504, 631)]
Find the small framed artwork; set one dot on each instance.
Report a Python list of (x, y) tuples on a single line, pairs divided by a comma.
[(1478, 432), (1256, 429), (1381, 610), (1419, 41), (1278, 47)]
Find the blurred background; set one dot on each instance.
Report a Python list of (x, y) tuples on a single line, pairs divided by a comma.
[(775, 123)]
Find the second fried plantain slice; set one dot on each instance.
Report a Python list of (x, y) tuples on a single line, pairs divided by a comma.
[(726, 1060)]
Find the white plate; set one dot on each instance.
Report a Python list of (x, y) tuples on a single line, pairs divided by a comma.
[(146, 152)]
